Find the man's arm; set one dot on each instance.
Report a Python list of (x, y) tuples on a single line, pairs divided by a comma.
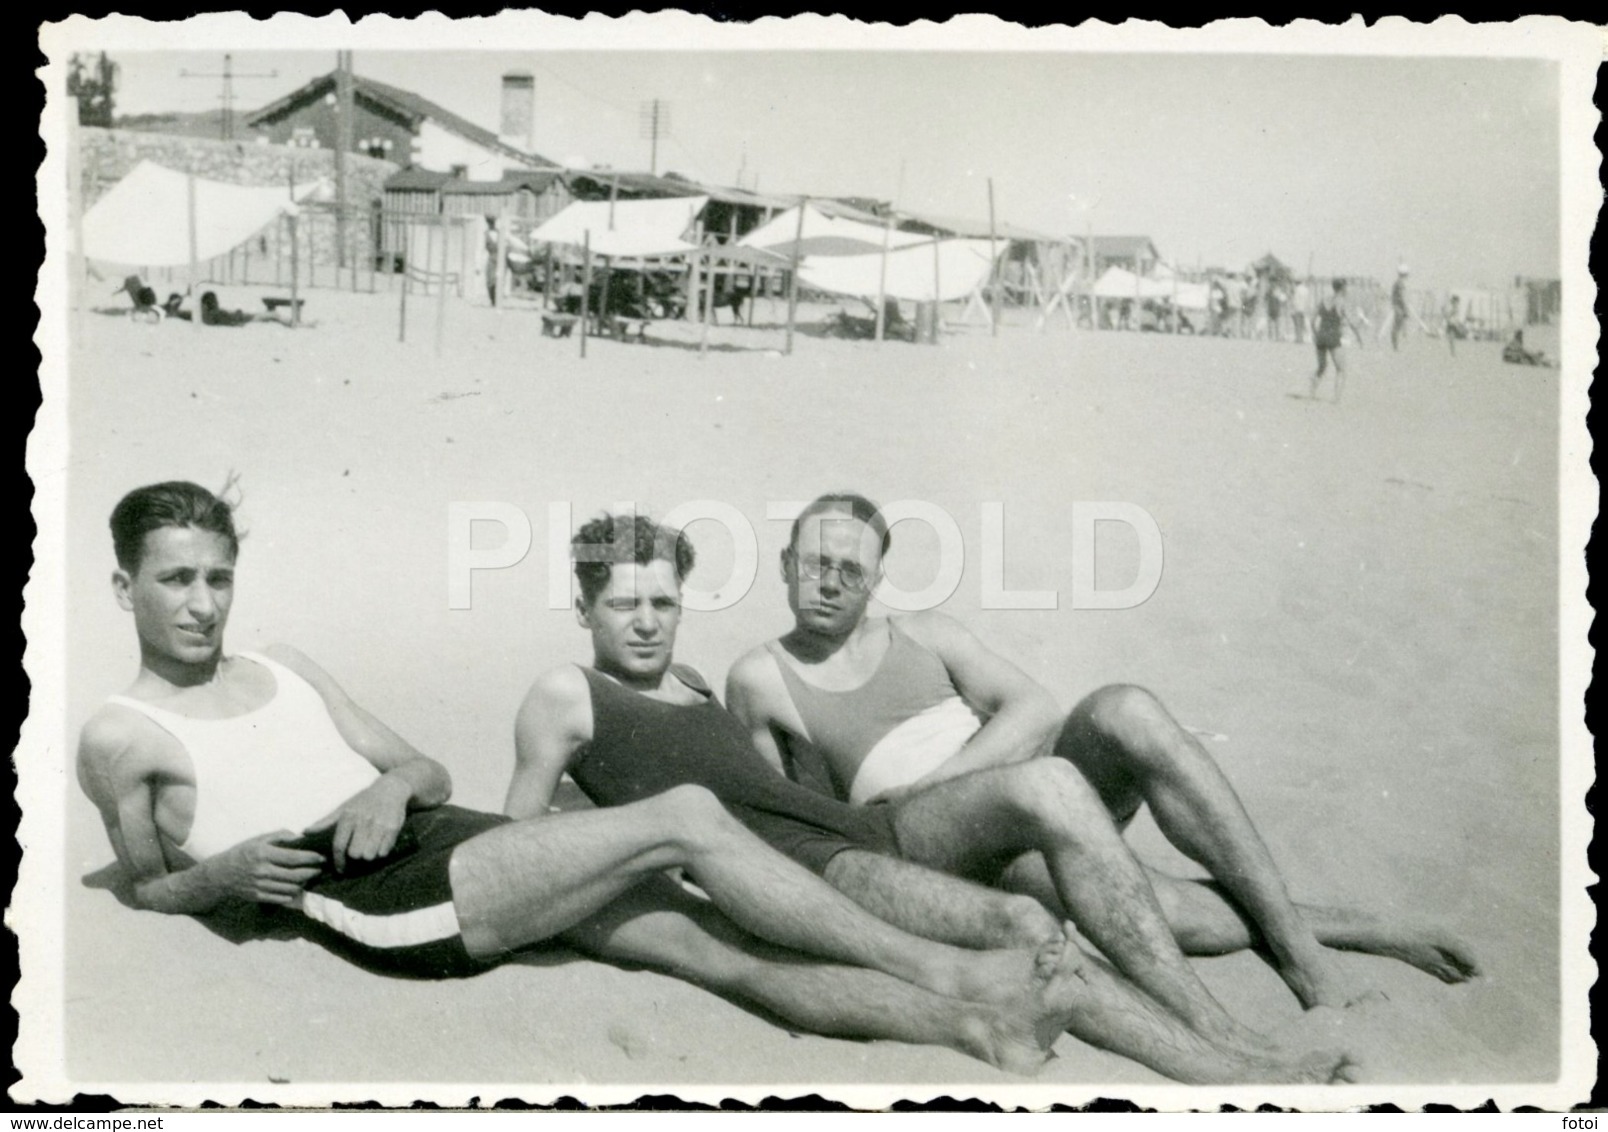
[(1023, 718), (757, 695), (748, 698), (120, 770), (367, 824), (553, 723)]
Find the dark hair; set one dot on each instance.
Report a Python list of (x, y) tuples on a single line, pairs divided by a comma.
[(176, 503), (1339, 284), (608, 539), (858, 506)]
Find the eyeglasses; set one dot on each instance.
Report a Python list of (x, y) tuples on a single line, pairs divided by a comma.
[(813, 567)]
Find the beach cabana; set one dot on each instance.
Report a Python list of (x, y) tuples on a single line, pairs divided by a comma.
[(160, 217)]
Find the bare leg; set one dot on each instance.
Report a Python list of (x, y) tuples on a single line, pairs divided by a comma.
[(657, 924), (1206, 921), (1046, 805), (942, 907), (527, 881), (1133, 753)]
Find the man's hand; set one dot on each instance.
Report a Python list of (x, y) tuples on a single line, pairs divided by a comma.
[(895, 794), (263, 870), (366, 824)]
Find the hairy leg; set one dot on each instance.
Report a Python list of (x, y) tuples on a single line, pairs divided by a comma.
[(1045, 805), (1206, 921), (658, 924), (526, 881), (939, 906), (1133, 752)]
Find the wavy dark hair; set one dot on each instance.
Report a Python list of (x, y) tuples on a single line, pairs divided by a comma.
[(175, 503), (608, 539)]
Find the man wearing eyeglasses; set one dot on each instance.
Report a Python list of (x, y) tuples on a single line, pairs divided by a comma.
[(915, 712)]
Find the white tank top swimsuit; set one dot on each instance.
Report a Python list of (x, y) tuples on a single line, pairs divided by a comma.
[(904, 721), (283, 765)]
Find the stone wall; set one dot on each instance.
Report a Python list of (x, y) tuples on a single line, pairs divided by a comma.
[(108, 156)]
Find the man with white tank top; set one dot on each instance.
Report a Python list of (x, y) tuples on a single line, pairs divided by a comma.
[(881, 710)]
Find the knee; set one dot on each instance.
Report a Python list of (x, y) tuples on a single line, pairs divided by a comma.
[(1021, 921), (1053, 792), (692, 813), (1125, 715)]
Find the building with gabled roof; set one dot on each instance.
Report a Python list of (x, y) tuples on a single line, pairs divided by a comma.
[(394, 124)]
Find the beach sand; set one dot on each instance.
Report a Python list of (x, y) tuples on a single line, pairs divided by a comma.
[(1358, 611)]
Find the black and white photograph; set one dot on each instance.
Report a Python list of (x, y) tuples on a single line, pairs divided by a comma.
[(810, 558)]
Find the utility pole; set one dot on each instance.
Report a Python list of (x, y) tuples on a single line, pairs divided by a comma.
[(343, 146), (655, 119), (228, 75)]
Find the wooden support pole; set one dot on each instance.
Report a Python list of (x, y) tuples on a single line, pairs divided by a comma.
[(407, 270), (586, 283), (77, 281), (441, 288), (995, 276), (189, 208), (708, 305), (792, 280), (295, 305), (882, 278)]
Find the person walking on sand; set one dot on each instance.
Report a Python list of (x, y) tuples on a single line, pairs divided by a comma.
[(1328, 327), (1398, 307)]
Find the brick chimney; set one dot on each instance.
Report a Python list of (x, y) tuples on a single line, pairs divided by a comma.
[(518, 127)]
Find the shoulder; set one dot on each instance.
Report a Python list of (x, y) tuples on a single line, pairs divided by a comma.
[(692, 678), (118, 743), (559, 698), (755, 676), (938, 631)]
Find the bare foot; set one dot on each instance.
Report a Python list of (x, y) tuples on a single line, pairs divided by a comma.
[(1013, 978), (1317, 981), (1061, 973), (1433, 950), (1004, 1040)]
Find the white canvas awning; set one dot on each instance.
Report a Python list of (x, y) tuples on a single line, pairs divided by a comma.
[(625, 227), (962, 266), (1119, 283), (144, 219), (825, 236)]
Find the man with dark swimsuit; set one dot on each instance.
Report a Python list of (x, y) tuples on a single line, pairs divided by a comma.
[(635, 725)]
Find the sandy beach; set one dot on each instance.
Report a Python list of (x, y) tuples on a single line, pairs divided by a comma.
[(1358, 613)]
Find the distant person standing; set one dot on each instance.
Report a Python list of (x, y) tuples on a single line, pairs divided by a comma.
[(1275, 309), (1455, 326), (1250, 304), (1300, 306), (1329, 322), (1234, 298), (1398, 307), (491, 259)]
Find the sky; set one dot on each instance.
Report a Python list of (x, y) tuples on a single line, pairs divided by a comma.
[(1347, 164)]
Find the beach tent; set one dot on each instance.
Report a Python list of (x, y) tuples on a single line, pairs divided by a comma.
[(633, 228), (825, 235), (1271, 266), (918, 273), (1120, 283), (144, 219)]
